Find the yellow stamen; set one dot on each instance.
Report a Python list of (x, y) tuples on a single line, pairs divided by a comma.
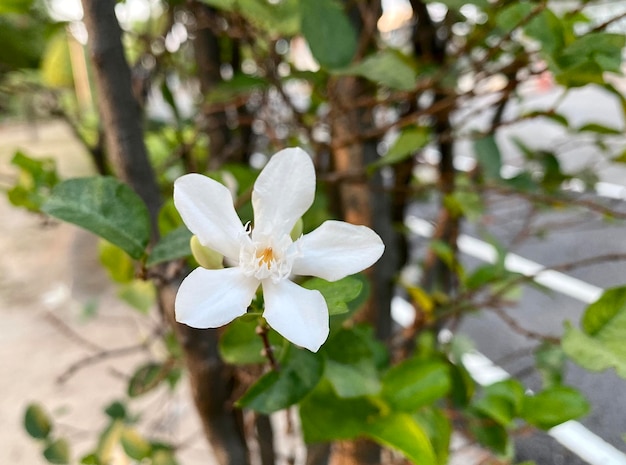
[(266, 256)]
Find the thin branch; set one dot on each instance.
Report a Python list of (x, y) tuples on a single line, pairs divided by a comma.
[(514, 325), (551, 200), (589, 261), (69, 333), (99, 357), (268, 351)]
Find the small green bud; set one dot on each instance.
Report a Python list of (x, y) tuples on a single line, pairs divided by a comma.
[(296, 232), (206, 258)]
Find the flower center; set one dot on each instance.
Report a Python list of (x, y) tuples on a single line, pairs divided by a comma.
[(267, 259)]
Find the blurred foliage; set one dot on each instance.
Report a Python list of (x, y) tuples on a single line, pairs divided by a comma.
[(224, 83)]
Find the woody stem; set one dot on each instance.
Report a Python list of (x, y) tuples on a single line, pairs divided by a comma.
[(268, 352)]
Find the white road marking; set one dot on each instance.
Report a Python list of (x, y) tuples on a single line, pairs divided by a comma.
[(602, 188), (572, 434), (481, 250)]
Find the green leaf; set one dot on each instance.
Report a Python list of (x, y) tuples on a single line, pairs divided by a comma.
[(465, 203), (135, 446), (118, 264), (338, 293), (551, 115), (37, 422), (601, 48), (36, 179), (463, 385), (277, 18), (401, 432), (554, 406), (377, 348), (512, 15), (57, 451), (600, 344), (594, 354), (606, 312), (168, 96), (227, 5), (350, 365), (300, 371), (388, 68), (502, 401), (108, 440), (488, 157), (90, 459), (438, 428), (580, 74), (146, 378), (240, 344), (547, 29), (15, 6), (621, 158), (56, 66), (410, 140), (169, 219), (489, 433), (588, 57), (105, 206), (328, 31), (116, 410), (414, 383), (327, 417), (550, 362), (484, 275), (163, 457), (600, 129), (139, 294), (171, 247), (23, 39), (240, 85)]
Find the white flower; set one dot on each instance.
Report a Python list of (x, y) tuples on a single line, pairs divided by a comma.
[(267, 255)]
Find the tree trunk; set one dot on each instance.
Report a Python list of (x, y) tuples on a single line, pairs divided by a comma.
[(206, 49), (211, 379), (120, 112), (212, 384)]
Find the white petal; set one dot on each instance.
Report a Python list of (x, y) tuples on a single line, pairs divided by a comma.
[(206, 207), (337, 249), (282, 193), (212, 298), (299, 314)]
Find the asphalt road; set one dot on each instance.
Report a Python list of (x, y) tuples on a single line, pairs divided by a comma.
[(545, 312), (568, 237)]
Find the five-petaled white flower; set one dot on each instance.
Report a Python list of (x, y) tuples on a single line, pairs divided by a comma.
[(267, 255)]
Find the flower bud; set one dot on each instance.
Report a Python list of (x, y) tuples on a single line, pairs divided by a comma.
[(206, 258), (296, 232)]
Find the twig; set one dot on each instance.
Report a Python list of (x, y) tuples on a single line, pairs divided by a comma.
[(98, 357), (551, 200), (69, 333), (589, 261), (519, 329), (268, 351)]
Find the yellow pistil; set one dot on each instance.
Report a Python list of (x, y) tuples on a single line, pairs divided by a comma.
[(266, 256)]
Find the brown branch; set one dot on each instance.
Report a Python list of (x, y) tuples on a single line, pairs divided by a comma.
[(120, 112), (589, 261), (99, 357), (608, 22), (69, 333), (268, 351), (516, 327), (550, 200)]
